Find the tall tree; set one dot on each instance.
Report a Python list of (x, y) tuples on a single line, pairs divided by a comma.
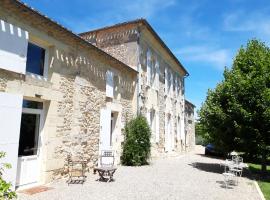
[(236, 114)]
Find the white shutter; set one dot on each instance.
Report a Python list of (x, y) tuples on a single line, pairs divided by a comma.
[(105, 129), (157, 75), (166, 133), (148, 68), (148, 117), (171, 83), (10, 123), (109, 84), (182, 128), (172, 132), (176, 86), (13, 47), (178, 129), (157, 126), (166, 80)]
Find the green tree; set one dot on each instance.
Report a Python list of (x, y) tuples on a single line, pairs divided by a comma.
[(136, 150), (236, 114), (5, 191)]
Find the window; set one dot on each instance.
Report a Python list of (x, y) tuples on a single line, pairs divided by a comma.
[(30, 125), (35, 59), (109, 84), (32, 104), (29, 134)]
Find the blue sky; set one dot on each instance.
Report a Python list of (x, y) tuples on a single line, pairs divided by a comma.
[(204, 34)]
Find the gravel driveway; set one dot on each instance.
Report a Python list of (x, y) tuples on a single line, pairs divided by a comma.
[(188, 177)]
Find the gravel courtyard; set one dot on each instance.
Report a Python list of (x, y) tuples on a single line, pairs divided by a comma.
[(188, 177)]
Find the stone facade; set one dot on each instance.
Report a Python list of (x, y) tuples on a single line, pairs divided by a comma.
[(159, 98), (189, 125), (73, 92)]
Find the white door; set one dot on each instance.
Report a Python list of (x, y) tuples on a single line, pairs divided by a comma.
[(10, 120), (105, 129), (28, 168)]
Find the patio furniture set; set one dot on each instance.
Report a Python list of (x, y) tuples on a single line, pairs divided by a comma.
[(233, 169), (105, 167)]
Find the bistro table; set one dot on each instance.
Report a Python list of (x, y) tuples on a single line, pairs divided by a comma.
[(105, 173)]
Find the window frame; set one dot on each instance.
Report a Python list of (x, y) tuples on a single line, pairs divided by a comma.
[(46, 62)]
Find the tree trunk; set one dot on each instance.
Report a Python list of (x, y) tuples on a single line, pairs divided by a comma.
[(264, 165)]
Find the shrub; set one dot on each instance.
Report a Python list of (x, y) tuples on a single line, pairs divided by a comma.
[(5, 191), (136, 149)]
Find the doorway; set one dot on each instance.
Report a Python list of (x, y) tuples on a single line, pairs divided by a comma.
[(29, 142)]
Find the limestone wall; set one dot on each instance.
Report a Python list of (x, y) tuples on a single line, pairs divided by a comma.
[(130, 43), (73, 95)]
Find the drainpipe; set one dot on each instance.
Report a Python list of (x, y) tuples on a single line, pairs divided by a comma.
[(186, 75)]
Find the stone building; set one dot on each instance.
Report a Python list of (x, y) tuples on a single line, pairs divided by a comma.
[(189, 126), (59, 94), (161, 78)]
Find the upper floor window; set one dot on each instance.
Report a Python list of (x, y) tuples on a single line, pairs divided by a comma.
[(109, 84), (35, 59)]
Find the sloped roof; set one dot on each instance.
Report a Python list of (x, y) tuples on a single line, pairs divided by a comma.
[(144, 22), (50, 22)]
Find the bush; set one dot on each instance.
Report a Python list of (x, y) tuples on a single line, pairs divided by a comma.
[(136, 150), (5, 191)]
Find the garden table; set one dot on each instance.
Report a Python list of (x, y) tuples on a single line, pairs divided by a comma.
[(105, 172)]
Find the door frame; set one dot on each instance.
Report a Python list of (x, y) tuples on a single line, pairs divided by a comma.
[(41, 113)]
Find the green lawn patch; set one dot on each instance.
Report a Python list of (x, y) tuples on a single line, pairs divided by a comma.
[(263, 180)]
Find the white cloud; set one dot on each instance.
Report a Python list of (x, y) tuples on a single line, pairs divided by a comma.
[(216, 57), (257, 23)]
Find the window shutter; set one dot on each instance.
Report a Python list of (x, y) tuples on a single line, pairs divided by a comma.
[(157, 75), (148, 68), (13, 47), (148, 117), (178, 129), (109, 84), (166, 80), (172, 88), (176, 86), (10, 123), (157, 126)]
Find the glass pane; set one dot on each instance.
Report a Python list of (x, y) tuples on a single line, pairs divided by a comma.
[(35, 59), (29, 133), (32, 104)]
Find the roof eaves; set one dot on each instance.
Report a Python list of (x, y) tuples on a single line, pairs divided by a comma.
[(144, 22), (24, 5)]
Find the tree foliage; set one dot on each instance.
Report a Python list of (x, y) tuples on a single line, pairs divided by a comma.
[(136, 150), (5, 191), (236, 114)]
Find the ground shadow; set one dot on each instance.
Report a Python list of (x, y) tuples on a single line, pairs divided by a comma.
[(208, 167), (210, 156), (217, 168)]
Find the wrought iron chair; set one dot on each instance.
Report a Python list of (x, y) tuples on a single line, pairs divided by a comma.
[(76, 170), (106, 167)]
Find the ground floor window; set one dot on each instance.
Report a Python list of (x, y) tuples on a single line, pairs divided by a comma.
[(30, 125)]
